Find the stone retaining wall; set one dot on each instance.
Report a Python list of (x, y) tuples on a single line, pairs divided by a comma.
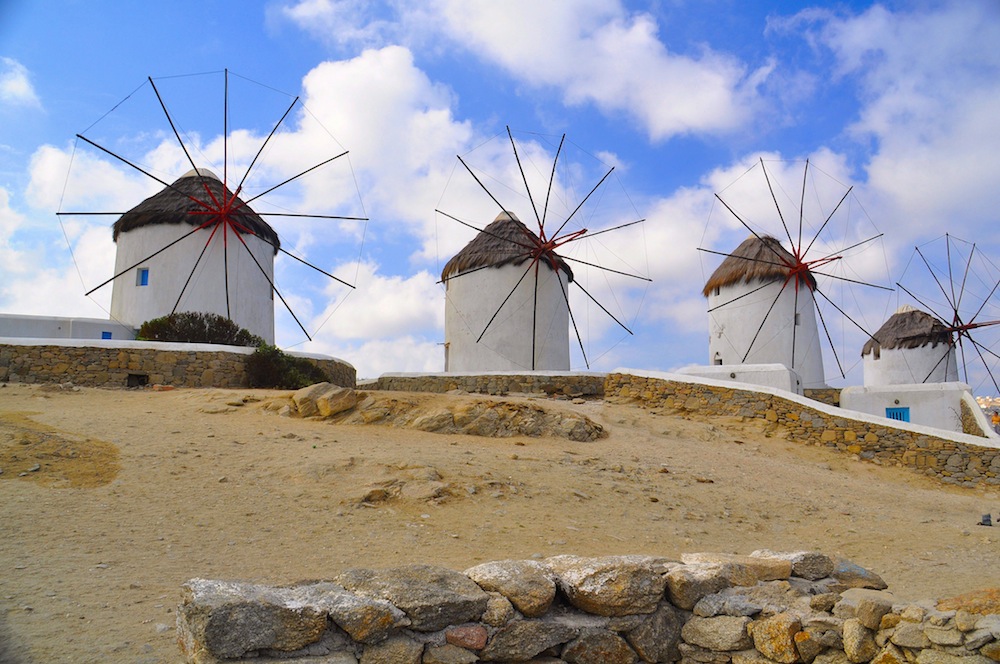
[(765, 608), (573, 384), (133, 363), (950, 460)]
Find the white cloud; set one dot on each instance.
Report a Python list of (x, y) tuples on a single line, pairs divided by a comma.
[(385, 306), (589, 51), (15, 85), (598, 52), (930, 81)]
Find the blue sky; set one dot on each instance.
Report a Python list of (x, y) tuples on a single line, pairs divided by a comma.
[(900, 101)]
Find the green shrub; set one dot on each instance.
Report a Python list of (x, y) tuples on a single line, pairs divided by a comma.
[(269, 367), (201, 328)]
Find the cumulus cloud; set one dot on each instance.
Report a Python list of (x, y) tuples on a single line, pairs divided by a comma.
[(589, 51), (930, 83), (16, 89)]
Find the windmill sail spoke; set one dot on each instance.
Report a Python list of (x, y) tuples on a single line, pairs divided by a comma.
[(589, 194), (944, 356), (986, 365), (572, 320), (534, 321), (853, 246), (740, 297), (615, 228), (747, 226), (951, 301), (194, 267), (294, 177), (919, 301), (246, 174), (777, 207), (829, 340), (552, 179), (311, 216), (135, 265), (141, 170), (509, 295), (802, 208), (480, 183), (845, 314), (524, 178), (827, 220), (603, 308), (850, 281), (274, 288), (606, 269), (486, 231), (795, 315), (763, 322), (965, 276), (180, 142)]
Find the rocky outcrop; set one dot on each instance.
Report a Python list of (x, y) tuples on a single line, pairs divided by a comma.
[(474, 416), (767, 608)]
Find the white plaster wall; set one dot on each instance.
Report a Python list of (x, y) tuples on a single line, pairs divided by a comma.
[(473, 298), (771, 375), (905, 366), (732, 328), (251, 305), (935, 405), (54, 327)]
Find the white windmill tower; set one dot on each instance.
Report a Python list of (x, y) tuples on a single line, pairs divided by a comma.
[(761, 311), (211, 267), (912, 347), (500, 317)]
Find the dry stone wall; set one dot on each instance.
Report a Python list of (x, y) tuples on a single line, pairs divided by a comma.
[(947, 459), (766, 608), (132, 364), (571, 384)]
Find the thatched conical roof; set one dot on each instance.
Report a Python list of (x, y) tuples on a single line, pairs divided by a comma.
[(756, 259), (174, 205), (506, 241), (908, 328)]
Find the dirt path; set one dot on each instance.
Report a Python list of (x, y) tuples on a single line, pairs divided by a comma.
[(138, 491)]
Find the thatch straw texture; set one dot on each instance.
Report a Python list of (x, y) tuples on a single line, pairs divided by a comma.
[(756, 259), (506, 241), (908, 328), (174, 205)]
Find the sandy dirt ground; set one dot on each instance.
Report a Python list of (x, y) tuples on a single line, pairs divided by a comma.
[(136, 492)]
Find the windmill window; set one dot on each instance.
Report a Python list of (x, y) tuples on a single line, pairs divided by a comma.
[(717, 360), (797, 319), (105, 334), (718, 289), (142, 276), (898, 414)]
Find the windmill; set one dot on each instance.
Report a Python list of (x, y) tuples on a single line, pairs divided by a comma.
[(955, 281), (801, 247), (203, 240), (514, 292)]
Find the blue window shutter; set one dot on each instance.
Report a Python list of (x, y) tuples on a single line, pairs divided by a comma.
[(142, 276), (105, 335), (898, 414)]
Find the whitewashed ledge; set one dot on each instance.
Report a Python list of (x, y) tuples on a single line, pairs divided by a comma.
[(789, 608)]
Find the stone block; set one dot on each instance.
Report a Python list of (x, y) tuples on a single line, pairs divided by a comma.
[(612, 585), (774, 637), (529, 585), (722, 633)]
